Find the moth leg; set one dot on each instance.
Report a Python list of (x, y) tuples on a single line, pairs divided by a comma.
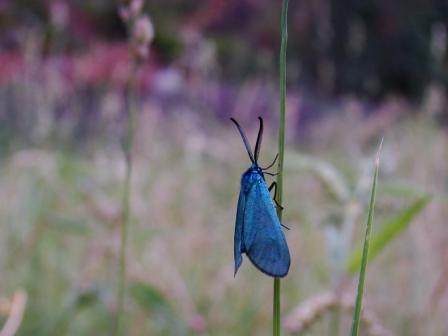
[(270, 166), (273, 162), (287, 228), (272, 186)]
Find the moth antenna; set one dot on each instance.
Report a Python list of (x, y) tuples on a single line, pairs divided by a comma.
[(246, 143), (259, 138)]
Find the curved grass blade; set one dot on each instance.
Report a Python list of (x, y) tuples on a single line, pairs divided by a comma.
[(365, 252), (390, 231)]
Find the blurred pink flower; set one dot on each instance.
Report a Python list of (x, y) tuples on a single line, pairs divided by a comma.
[(143, 30), (135, 8), (143, 33), (198, 324), (130, 9), (59, 12)]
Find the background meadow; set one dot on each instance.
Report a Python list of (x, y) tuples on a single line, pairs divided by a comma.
[(355, 75)]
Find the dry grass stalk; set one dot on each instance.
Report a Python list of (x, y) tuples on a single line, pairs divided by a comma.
[(313, 309), (440, 287), (15, 308), (140, 27)]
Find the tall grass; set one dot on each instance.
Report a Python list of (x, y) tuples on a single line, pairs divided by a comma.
[(140, 34), (281, 150), (125, 216), (127, 152)]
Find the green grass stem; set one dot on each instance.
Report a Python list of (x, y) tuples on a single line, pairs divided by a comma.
[(125, 215), (365, 252), (281, 150)]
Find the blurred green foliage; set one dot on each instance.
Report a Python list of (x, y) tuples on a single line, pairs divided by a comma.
[(60, 215), (389, 231)]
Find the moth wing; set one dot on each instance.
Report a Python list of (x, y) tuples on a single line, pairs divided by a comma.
[(238, 246), (263, 238)]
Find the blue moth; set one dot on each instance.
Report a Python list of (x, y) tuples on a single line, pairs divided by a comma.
[(258, 232)]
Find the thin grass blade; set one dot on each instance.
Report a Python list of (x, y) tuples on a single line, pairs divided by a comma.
[(281, 150), (365, 253)]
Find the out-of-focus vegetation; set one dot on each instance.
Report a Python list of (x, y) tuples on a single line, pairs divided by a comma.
[(63, 70), (372, 48), (60, 214)]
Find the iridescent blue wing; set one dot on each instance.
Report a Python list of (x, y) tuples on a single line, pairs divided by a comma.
[(238, 244), (263, 238)]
